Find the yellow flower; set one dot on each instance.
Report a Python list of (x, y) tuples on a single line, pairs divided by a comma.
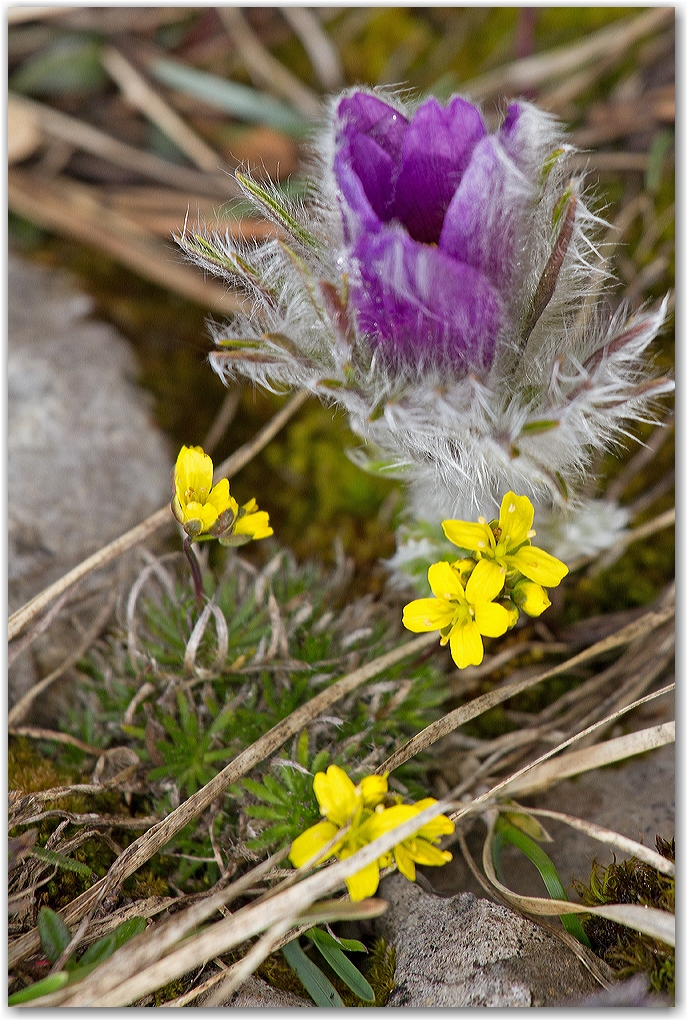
[(461, 615), (506, 545), (205, 510), (359, 814), (343, 804), (197, 504), (250, 523), (419, 848)]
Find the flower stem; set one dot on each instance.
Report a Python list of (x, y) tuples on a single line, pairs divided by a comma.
[(195, 571)]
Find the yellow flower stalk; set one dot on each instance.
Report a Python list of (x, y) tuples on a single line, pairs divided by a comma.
[(357, 815), (461, 615)]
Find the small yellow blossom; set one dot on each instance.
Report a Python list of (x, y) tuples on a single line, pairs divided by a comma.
[(419, 848), (250, 523), (357, 815), (205, 510), (461, 615), (530, 597), (505, 545), (197, 504)]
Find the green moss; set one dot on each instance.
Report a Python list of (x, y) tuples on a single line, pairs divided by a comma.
[(380, 971), (628, 951)]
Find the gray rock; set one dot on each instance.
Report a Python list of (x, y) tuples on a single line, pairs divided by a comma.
[(255, 992), (465, 951), (85, 460)]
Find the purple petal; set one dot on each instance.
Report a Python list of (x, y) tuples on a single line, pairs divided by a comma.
[(421, 307), (364, 114), (436, 150), (374, 169), (480, 224)]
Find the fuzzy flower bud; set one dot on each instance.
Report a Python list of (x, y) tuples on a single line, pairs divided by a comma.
[(442, 285)]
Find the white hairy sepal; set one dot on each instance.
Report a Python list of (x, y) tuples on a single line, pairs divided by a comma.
[(567, 376)]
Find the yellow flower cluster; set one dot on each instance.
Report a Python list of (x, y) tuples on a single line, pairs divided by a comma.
[(504, 565), (207, 511), (357, 815)]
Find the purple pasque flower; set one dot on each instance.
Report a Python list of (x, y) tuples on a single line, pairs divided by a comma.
[(432, 207)]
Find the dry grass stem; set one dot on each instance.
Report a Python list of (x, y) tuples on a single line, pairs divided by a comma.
[(143, 96), (18, 711)]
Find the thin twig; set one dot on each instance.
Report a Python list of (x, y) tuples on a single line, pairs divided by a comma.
[(19, 710), (265, 70), (144, 97)]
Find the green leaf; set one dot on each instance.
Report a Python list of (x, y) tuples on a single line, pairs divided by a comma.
[(70, 64), (54, 933), (318, 987), (532, 427), (350, 945), (302, 749), (340, 963), (262, 792), (278, 212), (107, 945), (507, 833), (44, 987), (61, 861), (240, 101)]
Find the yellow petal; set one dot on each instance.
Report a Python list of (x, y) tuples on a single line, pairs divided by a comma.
[(308, 845), (193, 472), (466, 535), (336, 795), (466, 645), (373, 790), (516, 518), (491, 619), (219, 496), (256, 525), (445, 582), (364, 883), (531, 598), (404, 862), (485, 582), (427, 614), (538, 566), (422, 852), (204, 512)]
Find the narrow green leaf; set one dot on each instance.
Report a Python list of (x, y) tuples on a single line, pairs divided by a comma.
[(550, 162), (108, 944), (302, 749), (262, 792), (532, 427), (61, 861), (319, 936), (239, 100), (332, 952), (318, 987), (278, 212), (507, 833), (44, 987), (54, 933)]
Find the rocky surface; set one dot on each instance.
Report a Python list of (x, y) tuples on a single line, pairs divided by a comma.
[(255, 992), (463, 951), (85, 459)]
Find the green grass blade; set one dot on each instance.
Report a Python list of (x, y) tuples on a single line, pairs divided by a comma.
[(341, 965), (318, 987), (507, 833), (49, 984)]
